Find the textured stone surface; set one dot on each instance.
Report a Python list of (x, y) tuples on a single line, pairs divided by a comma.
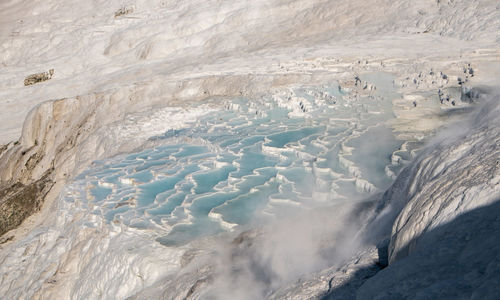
[(19, 201), (38, 77)]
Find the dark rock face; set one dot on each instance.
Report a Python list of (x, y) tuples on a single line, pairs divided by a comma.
[(124, 10), (18, 201), (38, 77)]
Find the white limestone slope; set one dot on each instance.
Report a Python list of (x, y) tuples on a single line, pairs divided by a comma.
[(459, 174), (444, 240), (171, 41), (112, 73)]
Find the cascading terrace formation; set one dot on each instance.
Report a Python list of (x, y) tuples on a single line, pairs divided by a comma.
[(266, 149), (252, 160)]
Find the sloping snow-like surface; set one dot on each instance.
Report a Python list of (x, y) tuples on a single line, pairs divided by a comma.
[(457, 175), (166, 51), (444, 243), (92, 50)]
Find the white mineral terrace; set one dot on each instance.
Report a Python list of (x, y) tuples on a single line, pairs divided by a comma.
[(267, 149)]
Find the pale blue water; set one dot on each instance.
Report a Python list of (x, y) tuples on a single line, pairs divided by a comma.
[(247, 163)]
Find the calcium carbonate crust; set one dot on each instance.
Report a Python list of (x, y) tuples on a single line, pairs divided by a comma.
[(100, 80)]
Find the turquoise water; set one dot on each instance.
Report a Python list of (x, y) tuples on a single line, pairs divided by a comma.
[(251, 161)]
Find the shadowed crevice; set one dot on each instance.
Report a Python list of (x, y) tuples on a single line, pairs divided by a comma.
[(457, 260)]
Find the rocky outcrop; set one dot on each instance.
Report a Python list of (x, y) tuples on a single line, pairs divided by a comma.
[(53, 142), (19, 201), (38, 77), (29, 167)]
